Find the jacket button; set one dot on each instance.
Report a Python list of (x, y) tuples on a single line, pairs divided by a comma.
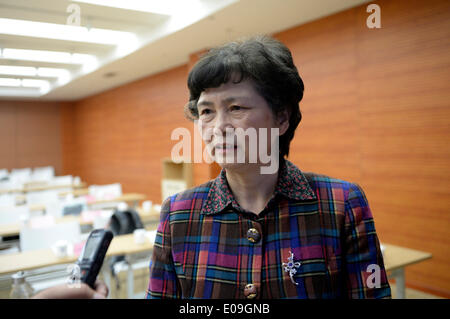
[(253, 235), (250, 291)]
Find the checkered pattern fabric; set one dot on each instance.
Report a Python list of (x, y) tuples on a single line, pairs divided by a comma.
[(202, 248)]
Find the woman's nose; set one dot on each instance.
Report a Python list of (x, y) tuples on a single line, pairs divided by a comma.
[(217, 129), (222, 124)]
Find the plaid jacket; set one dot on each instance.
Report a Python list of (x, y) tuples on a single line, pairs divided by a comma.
[(207, 246)]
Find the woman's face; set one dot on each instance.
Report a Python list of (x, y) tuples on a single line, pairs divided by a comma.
[(236, 122)]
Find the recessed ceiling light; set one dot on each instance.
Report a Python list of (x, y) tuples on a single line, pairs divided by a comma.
[(18, 70), (165, 7), (9, 82), (42, 85), (65, 32), (47, 56), (63, 76)]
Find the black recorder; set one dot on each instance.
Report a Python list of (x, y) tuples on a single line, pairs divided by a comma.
[(91, 258)]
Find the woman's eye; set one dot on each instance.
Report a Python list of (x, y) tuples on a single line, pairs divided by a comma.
[(236, 108), (205, 112)]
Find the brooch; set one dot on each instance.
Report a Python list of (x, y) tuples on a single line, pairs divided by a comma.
[(291, 267)]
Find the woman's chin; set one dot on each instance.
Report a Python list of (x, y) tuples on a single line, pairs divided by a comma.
[(234, 165), (228, 165), (231, 160)]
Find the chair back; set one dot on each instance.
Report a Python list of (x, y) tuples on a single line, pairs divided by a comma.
[(33, 238), (7, 200), (42, 197), (66, 180), (109, 191), (43, 174), (13, 214)]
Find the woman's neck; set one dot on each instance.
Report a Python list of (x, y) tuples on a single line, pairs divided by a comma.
[(251, 189)]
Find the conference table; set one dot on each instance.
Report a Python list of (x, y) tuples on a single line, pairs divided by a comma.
[(43, 187), (7, 230), (75, 192), (33, 259), (121, 245), (132, 198), (396, 259)]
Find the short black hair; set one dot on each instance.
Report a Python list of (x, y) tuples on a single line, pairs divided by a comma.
[(264, 60)]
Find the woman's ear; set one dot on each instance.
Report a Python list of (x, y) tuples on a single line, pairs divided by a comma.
[(283, 121)]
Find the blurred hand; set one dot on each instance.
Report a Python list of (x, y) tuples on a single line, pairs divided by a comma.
[(66, 291)]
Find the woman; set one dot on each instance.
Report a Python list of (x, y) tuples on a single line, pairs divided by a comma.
[(255, 233)]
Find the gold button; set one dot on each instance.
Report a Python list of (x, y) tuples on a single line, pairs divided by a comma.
[(250, 291), (253, 235)]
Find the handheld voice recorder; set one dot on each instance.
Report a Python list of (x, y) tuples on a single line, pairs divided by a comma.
[(93, 254)]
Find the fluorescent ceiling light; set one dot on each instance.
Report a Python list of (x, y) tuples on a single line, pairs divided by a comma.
[(20, 92), (32, 71), (166, 7), (52, 72), (63, 76), (9, 82), (18, 70), (42, 85), (34, 83), (65, 32), (47, 56)]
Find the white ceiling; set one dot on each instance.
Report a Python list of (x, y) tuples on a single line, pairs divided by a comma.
[(163, 40)]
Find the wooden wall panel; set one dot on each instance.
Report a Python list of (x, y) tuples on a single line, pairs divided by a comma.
[(375, 112), (327, 139), (68, 138), (123, 134), (30, 135), (7, 135), (403, 78)]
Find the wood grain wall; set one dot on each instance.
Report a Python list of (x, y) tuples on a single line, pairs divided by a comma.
[(122, 135), (376, 112), (30, 135)]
